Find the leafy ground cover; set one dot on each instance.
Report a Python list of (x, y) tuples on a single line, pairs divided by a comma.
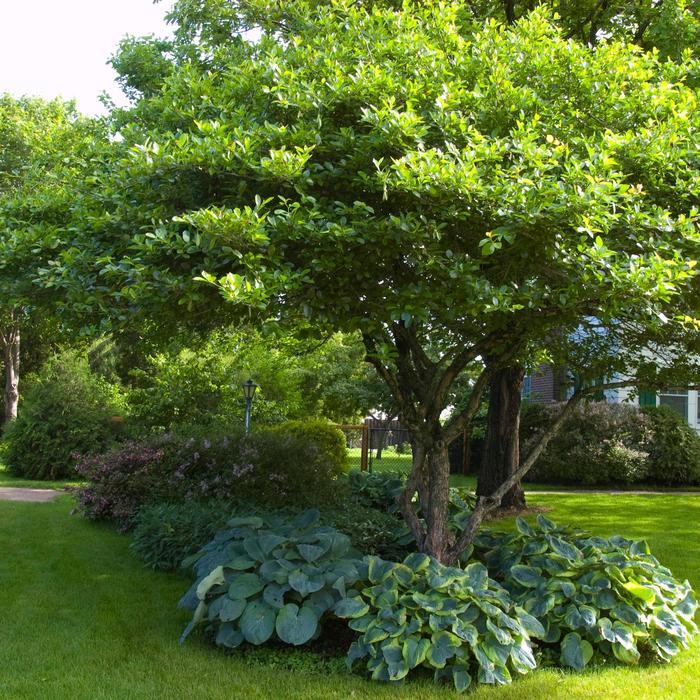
[(84, 619)]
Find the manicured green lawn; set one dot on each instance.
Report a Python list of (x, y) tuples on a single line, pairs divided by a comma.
[(81, 618), (6, 479)]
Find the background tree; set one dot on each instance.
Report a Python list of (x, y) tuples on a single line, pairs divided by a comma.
[(44, 149)]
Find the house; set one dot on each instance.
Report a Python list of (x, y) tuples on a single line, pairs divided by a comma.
[(550, 385)]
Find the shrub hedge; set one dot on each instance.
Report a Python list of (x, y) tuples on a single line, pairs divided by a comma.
[(602, 443), (66, 410), (271, 467)]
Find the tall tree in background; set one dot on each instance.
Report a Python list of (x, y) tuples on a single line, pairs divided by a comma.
[(43, 151)]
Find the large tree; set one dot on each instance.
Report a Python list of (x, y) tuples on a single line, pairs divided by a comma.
[(451, 190), (44, 149)]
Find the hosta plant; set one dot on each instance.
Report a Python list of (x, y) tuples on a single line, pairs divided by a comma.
[(455, 622), (593, 596), (269, 578)]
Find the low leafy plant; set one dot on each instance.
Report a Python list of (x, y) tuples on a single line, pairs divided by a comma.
[(269, 578), (378, 490), (455, 622), (165, 534), (595, 597), (371, 531)]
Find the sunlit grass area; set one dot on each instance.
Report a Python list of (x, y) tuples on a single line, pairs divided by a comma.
[(6, 479), (83, 619)]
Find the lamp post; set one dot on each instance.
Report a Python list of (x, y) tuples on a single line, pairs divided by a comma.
[(249, 388)]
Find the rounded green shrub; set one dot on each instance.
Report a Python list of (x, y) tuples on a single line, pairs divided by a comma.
[(328, 442), (268, 578), (66, 411), (674, 457), (595, 597)]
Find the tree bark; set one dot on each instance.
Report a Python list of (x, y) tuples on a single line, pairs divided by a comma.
[(501, 456), (11, 346), (438, 538)]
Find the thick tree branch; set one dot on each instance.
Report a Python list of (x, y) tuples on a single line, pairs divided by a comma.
[(464, 418)]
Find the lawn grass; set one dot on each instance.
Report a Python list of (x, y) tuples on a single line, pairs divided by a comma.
[(81, 618), (7, 480)]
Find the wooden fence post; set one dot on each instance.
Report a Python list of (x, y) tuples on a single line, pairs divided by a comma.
[(364, 451)]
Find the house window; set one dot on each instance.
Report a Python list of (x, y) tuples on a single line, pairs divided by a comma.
[(677, 399)]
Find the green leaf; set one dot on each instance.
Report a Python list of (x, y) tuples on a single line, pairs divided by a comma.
[(351, 608), (274, 593), (295, 626), (231, 609), (417, 561), (415, 650), (311, 552), (530, 624), (526, 576), (215, 578), (240, 563), (636, 589), (229, 636), (245, 586), (444, 646), (257, 622), (196, 619), (301, 583), (461, 677), (564, 549), (523, 527), (249, 521), (575, 652)]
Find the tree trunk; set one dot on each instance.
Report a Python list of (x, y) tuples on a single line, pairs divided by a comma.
[(501, 456), (11, 343), (438, 538)]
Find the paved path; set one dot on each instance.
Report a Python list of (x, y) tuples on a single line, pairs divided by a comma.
[(36, 495)]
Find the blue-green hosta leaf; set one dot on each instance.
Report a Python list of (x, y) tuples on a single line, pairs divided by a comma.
[(522, 657), (643, 592), (253, 548), (588, 616), (215, 578), (626, 613), (687, 607), (552, 633), (444, 646), (466, 632), (360, 624), (311, 552), (539, 605), (252, 521), (666, 646), (668, 622), (229, 635), (532, 547), (306, 519), (572, 618), (304, 584), (624, 635), (231, 609), (270, 541), (498, 675), (378, 570), (417, 561), (296, 626), (403, 574), (358, 650), (524, 528), (530, 624), (606, 599), (275, 571), (245, 586), (477, 576), (526, 576), (240, 563), (430, 603), (321, 601), (501, 635), (461, 677), (257, 622), (605, 628), (624, 654), (562, 584), (273, 594), (575, 652), (351, 608), (564, 549), (196, 619), (545, 524), (374, 634)]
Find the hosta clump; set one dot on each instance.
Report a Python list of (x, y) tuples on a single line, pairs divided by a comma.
[(593, 596), (456, 622), (269, 578)]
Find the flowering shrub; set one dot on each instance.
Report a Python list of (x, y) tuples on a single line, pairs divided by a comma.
[(272, 467)]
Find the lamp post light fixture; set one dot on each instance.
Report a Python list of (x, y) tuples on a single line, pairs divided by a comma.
[(249, 388)]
